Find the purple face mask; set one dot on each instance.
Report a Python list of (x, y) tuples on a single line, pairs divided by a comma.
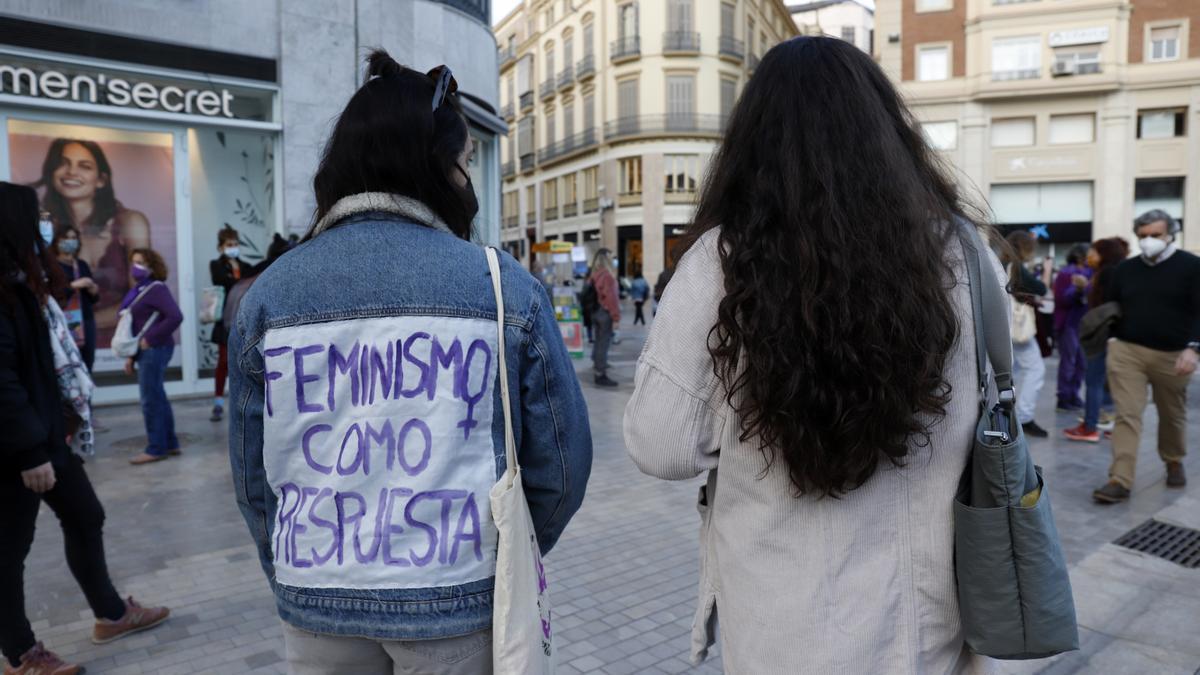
[(140, 273)]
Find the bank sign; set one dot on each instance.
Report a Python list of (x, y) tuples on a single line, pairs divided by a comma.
[(49, 81)]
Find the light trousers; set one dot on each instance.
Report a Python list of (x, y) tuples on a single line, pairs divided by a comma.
[(1029, 372), (1132, 369), (312, 654)]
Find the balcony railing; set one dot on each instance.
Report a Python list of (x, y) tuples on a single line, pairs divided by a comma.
[(690, 123), (591, 205), (506, 55), (570, 209), (508, 169), (512, 221), (526, 100), (527, 162), (579, 141), (550, 213), (566, 77), (732, 47), (530, 217), (547, 89), (507, 111), (625, 48), (679, 41), (586, 67), (1006, 75)]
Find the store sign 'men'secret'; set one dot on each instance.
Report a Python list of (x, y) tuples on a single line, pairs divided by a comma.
[(102, 89)]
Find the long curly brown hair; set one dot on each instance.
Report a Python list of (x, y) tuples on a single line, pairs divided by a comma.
[(833, 334)]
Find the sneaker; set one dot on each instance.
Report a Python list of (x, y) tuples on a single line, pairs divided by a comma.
[(1032, 429), (1067, 408), (604, 381), (218, 414), (1106, 425), (41, 661), (1111, 492), (1082, 433), (146, 458), (136, 619), (1176, 478)]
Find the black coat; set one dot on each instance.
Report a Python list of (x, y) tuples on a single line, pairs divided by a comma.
[(222, 275), (31, 409)]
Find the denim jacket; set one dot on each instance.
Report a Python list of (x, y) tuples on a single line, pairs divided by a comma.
[(366, 429)]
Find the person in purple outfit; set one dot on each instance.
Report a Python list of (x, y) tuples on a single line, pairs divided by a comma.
[(155, 318), (1070, 304)]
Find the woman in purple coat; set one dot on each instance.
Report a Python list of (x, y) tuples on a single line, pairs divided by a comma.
[(1070, 304), (155, 318)]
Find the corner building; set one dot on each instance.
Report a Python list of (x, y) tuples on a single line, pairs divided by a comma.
[(614, 109), (1069, 116)]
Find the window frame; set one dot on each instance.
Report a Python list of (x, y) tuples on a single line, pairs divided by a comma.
[(1019, 74), (946, 47), (1050, 128), (930, 6), (1180, 27), (992, 132)]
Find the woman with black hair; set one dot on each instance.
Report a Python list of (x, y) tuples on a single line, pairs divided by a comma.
[(365, 425), (44, 411), (816, 346)]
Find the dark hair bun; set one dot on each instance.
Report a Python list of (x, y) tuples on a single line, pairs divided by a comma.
[(381, 64)]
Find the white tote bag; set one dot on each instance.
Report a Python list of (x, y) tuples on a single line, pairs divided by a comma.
[(212, 301), (521, 636), (1024, 320), (124, 343)]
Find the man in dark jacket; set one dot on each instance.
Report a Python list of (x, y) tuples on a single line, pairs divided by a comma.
[(1157, 346)]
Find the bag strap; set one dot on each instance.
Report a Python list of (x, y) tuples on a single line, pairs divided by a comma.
[(510, 445), (138, 298), (992, 339)]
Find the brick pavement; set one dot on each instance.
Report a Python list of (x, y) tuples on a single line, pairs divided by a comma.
[(623, 576)]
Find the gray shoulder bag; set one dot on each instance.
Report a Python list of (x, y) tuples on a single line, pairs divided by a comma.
[(1014, 593)]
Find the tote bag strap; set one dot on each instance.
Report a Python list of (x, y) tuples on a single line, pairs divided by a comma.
[(510, 445), (992, 339)]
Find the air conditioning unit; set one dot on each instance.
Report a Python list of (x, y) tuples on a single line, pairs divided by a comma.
[(1063, 68)]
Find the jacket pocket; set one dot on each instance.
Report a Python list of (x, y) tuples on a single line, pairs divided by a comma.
[(704, 624)]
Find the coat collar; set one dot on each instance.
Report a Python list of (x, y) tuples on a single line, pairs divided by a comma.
[(367, 202)]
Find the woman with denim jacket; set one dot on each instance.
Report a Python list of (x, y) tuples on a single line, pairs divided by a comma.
[(366, 428)]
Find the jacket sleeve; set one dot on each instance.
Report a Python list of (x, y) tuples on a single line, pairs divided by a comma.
[(246, 442), (555, 449), (610, 296), (25, 441), (169, 316), (1030, 283), (85, 270), (674, 420), (1066, 293)]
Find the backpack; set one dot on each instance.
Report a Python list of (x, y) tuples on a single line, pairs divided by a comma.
[(589, 299)]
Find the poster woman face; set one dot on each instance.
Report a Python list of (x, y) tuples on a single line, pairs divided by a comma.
[(77, 176)]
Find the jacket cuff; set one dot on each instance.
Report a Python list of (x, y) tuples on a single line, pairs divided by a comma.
[(34, 457)]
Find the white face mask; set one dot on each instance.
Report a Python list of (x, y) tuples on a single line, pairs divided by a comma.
[(1152, 247), (46, 229), (232, 252)]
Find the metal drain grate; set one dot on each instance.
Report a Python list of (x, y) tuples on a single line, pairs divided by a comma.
[(1180, 545)]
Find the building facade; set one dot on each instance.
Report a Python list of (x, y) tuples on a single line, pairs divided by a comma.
[(849, 20), (614, 108), (1068, 117), (214, 113)]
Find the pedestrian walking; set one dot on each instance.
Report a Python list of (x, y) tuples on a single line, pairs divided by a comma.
[(1070, 304), (155, 318), (1103, 258), (606, 314), (79, 297), (1029, 368), (818, 342), (44, 408), (639, 290), (365, 428), (225, 271), (1157, 346)]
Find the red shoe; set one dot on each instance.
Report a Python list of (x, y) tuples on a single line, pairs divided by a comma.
[(40, 661), (1082, 433)]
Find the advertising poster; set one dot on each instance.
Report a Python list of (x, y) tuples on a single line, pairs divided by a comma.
[(117, 187)]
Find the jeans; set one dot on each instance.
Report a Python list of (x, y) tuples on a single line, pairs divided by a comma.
[(1029, 372), (156, 409), (1072, 365), (82, 518), (602, 332), (313, 654), (1096, 397)]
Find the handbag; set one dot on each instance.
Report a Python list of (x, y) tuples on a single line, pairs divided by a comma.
[(521, 635), (212, 301), (124, 343), (1024, 321), (1014, 592)]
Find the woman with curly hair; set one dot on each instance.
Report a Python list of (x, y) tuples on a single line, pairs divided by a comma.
[(155, 318), (814, 355)]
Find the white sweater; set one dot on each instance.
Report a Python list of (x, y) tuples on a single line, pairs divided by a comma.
[(861, 584)]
